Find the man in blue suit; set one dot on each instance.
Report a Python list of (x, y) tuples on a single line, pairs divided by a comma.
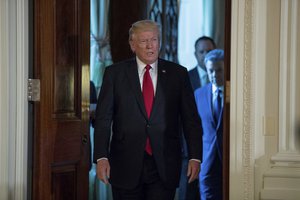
[(198, 77), (209, 100)]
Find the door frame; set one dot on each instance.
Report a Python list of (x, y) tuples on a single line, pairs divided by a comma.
[(23, 22), (14, 56)]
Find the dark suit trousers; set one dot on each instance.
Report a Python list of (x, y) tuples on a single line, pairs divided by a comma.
[(149, 188)]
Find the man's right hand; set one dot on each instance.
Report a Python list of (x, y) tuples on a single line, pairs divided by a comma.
[(103, 170)]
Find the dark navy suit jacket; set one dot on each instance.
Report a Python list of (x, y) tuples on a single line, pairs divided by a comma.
[(120, 109), (195, 79)]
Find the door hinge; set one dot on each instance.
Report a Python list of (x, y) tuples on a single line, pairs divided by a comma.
[(33, 86), (227, 97)]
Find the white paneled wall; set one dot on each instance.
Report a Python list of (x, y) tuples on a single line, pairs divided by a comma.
[(282, 179), (264, 146)]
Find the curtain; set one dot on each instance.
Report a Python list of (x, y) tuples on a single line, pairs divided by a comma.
[(100, 48), (198, 18), (214, 20), (100, 58)]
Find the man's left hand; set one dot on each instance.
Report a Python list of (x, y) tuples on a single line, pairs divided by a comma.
[(193, 170)]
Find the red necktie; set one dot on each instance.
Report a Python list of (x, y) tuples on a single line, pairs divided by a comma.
[(148, 94)]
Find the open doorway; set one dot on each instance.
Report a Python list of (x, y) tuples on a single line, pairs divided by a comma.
[(101, 51), (100, 57)]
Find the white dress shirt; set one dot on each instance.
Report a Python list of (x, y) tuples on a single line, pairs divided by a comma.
[(152, 71), (214, 93)]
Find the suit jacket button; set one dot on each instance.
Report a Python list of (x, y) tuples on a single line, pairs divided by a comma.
[(148, 126)]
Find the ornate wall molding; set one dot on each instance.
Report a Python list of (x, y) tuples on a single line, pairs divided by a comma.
[(242, 101), (248, 102)]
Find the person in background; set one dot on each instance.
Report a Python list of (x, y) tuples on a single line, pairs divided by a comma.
[(93, 102), (198, 74), (198, 77), (142, 104), (210, 100), (92, 174)]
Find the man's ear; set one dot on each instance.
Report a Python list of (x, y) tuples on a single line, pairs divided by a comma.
[(132, 47)]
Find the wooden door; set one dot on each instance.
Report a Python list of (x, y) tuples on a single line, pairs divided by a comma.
[(226, 113), (61, 117)]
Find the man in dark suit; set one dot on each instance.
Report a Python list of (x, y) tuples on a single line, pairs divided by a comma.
[(198, 74), (142, 104), (209, 100)]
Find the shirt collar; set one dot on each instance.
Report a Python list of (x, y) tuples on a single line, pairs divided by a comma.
[(214, 88), (141, 65)]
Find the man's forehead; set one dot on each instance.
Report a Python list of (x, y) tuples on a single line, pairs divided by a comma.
[(205, 44), (144, 35), (145, 32), (215, 64)]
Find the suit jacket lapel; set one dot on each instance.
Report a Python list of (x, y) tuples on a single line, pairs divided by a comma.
[(161, 81), (133, 77), (220, 118), (209, 98), (196, 78)]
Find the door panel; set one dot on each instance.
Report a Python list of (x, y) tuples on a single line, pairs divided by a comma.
[(61, 118)]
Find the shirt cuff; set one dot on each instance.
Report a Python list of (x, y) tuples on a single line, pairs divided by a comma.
[(192, 159), (101, 159)]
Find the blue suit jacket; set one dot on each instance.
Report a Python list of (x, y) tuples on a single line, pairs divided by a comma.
[(212, 130)]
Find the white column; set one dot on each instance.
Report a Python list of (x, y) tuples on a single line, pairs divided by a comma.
[(289, 77), (13, 102), (4, 62), (21, 117)]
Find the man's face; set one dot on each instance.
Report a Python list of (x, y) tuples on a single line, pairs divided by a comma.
[(202, 48), (215, 72), (145, 44)]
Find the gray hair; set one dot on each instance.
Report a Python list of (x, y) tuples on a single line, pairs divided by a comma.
[(144, 25), (214, 56)]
